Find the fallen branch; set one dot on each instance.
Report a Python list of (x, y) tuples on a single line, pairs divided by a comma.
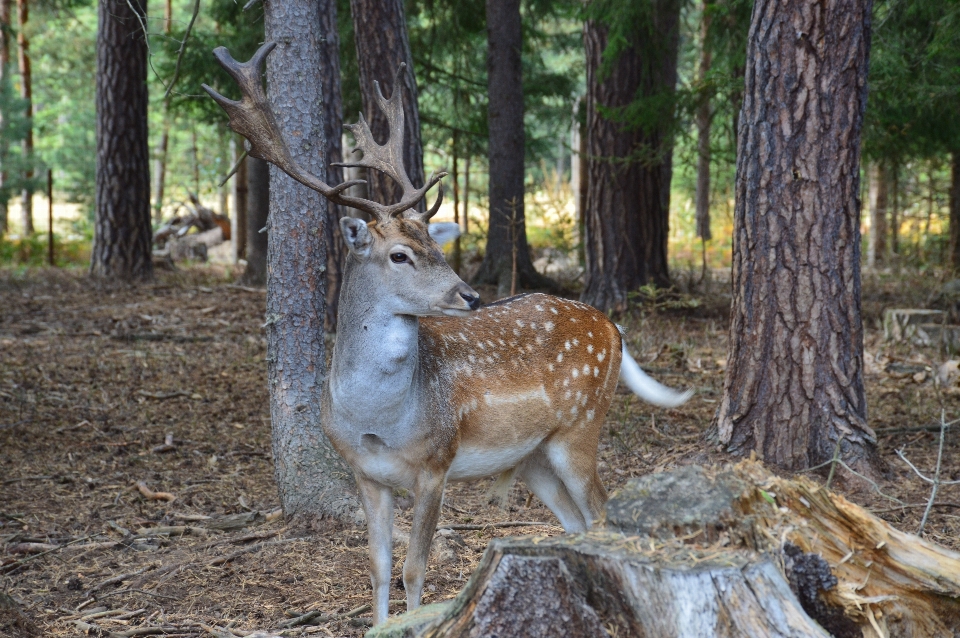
[(150, 495), (317, 617), (7, 426), (222, 560), (472, 527), (15, 565), (163, 395), (113, 580)]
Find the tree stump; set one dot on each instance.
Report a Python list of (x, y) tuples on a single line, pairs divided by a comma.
[(733, 552)]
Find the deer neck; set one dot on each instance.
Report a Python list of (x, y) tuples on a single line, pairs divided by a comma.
[(375, 361)]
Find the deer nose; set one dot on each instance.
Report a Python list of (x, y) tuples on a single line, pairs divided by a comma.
[(473, 300)]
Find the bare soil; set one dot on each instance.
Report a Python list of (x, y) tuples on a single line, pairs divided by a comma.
[(104, 387)]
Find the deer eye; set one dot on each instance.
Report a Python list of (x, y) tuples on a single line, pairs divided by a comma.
[(398, 258)]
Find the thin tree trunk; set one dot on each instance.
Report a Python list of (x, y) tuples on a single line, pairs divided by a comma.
[(238, 216), (877, 198), (506, 154), (627, 209), (195, 160), (955, 210), (6, 30), (466, 197), (313, 480), (160, 170), (333, 133), (382, 44), (894, 176), (121, 244), (704, 118), (26, 92), (793, 390), (457, 257), (258, 209)]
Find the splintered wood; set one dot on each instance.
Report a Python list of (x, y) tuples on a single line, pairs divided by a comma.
[(734, 552)]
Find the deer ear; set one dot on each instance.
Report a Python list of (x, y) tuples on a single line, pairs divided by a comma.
[(444, 232), (357, 235)]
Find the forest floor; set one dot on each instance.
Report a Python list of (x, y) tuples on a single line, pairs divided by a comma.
[(104, 388)]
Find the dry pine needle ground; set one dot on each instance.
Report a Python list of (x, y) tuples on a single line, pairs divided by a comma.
[(114, 400)]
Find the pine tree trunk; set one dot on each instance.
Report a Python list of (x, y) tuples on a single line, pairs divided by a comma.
[(877, 196), (26, 92), (955, 210), (121, 244), (506, 154), (160, 170), (627, 210), (794, 383), (258, 209), (704, 118), (238, 217), (313, 480), (382, 44), (5, 31), (333, 133)]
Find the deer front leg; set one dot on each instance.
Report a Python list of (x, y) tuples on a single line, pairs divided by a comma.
[(378, 506), (426, 511)]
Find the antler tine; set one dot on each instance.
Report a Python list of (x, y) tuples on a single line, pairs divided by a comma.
[(387, 157), (253, 118), (411, 213)]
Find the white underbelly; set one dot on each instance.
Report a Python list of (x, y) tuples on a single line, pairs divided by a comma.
[(474, 463)]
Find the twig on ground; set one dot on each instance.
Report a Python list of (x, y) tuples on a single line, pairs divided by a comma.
[(70, 428), (471, 527), (117, 579), (6, 426), (20, 562), (911, 506), (163, 395), (935, 481), (833, 463), (134, 591)]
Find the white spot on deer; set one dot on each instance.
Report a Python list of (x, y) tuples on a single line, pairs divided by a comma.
[(529, 348), (575, 373), (578, 396), (533, 326), (500, 341), (516, 333), (471, 358), (566, 346), (572, 320), (553, 310), (602, 355), (559, 414), (590, 348), (590, 334), (586, 369), (463, 336), (539, 307), (548, 326), (491, 344), (596, 371), (576, 342), (574, 410), (590, 415), (517, 397), (550, 367), (566, 395), (481, 346), (489, 359), (539, 340), (566, 382), (560, 357), (520, 323)]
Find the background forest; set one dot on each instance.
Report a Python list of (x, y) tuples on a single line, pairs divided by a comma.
[(910, 137)]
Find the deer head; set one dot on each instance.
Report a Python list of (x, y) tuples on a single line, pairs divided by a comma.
[(396, 254)]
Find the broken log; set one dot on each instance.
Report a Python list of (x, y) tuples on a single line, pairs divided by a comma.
[(732, 552)]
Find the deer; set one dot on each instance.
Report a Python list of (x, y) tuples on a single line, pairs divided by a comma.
[(428, 386)]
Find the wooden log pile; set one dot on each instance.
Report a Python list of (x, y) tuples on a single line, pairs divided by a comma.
[(695, 552)]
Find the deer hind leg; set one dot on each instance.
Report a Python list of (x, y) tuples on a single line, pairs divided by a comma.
[(428, 497), (378, 506), (578, 472), (541, 479)]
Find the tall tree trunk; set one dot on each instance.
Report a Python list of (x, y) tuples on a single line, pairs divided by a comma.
[(627, 211), (333, 133), (160, 170), (238, 217), (258, 209), (122, 236), (793, 389), (195, 160), (6, 30), (893, 173), (313, 480), (955, 210), (382, 44), (26, 92), (466, 197), (877, 202), (704, 118), (457, 256), (507, 233)]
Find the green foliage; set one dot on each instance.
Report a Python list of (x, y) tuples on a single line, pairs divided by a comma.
[(13, 125), (913, 109)]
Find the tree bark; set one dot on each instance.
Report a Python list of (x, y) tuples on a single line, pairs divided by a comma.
[(877, 195), (6, 30), (238, 217), (507, 231), (627, 211), (793, 389), (704, 118), (122, 235), (258, 208), (382, 44), (955, 210), (26, 92), (313, 480), (333, 133)]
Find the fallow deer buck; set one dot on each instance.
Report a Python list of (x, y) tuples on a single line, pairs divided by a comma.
[(426, 386)]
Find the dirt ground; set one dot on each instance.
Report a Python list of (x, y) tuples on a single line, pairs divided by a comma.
[(105, 388)]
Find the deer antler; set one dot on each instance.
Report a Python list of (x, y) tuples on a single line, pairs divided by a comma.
[(253, 118)]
